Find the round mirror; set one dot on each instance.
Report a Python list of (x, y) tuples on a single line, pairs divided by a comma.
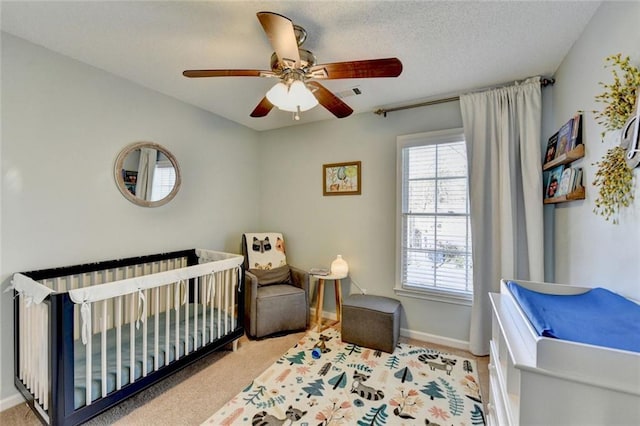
[(147, 174)]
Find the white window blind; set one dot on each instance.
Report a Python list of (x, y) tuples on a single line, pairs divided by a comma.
[(434, 233), (164, 178)]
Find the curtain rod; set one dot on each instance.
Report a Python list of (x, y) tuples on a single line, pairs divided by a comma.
[(383, 111)]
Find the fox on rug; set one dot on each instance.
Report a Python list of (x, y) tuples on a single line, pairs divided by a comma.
[(350, 384)]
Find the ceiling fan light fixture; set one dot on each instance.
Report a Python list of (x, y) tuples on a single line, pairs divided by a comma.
[(293, 98)]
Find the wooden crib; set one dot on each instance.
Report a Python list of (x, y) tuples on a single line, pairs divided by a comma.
[(89, 336)]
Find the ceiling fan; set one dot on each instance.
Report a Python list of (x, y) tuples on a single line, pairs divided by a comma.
[(297, 71)]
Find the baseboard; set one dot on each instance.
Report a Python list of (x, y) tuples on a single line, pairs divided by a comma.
[(412, 334), (11, 402), (325, 315), (432, 338)]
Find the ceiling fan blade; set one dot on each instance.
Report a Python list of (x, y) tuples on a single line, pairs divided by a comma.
[(227, 73), (330, 101), (280, 31), (373, 68), (263, 108)]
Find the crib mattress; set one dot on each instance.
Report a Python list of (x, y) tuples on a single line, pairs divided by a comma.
[(597, 317), (111, 377)]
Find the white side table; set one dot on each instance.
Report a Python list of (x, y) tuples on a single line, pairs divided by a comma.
[(320, 299)]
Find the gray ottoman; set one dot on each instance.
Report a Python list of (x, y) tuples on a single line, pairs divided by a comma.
[(371, 321)]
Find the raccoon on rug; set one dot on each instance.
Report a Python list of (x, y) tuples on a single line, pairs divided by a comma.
[(350, 384)]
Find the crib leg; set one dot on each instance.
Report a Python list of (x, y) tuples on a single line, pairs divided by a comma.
[(235, 345)]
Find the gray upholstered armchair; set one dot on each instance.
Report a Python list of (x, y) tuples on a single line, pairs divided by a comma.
[(276, 294)]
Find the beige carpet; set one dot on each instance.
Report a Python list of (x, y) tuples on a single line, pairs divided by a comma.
[(192, 395)]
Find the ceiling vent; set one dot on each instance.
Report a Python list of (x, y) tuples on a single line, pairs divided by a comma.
[(349, 92)]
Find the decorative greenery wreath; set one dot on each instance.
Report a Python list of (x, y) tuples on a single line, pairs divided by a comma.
[(614, 180), (613, 177), (620, 96)]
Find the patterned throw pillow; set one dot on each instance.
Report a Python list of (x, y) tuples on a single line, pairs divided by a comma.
[(272, 276), (265, 250)]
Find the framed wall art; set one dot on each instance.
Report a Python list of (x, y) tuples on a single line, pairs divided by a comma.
[(342, 178)]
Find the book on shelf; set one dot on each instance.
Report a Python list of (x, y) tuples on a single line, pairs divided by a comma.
[(551, 148), (553, 181), (577, 182), (564, 138), (576, 132), (566, 182)]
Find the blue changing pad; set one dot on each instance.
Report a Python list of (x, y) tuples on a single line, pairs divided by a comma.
[(597, 317)]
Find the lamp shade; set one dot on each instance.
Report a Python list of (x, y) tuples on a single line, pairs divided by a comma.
[(301, 96), (278, 94), (339, 267)]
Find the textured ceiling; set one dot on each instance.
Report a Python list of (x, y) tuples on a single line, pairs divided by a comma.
[(446, 47)]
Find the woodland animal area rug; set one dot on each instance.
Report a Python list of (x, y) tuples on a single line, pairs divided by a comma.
[(349, 385)]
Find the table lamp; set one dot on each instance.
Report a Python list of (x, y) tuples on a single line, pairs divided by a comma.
[(339, 267)]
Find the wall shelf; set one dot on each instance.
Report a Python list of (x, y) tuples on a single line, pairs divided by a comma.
[(566, 180), (578, 194), (573, 155)]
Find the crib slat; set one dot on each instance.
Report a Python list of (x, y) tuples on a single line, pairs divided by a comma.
[(226, 302), (212, 283), (38, 346), (196, 281), (28, 350), (203, 301), (156, 328), (218, 302), (118, 319), (103, 348), (88, 359), (132, 339), (177, 304), (33, 323), (144, 337), (23, 337), (186, 319), (167, 325)]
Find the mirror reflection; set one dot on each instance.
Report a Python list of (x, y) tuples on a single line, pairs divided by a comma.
[(147, 174)]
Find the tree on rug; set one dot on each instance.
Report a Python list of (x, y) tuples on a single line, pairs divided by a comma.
[(433, 390), (375, 417)]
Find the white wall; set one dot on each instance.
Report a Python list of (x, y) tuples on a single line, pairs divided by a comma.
[(63, 124), (360, 227), (589, 249)]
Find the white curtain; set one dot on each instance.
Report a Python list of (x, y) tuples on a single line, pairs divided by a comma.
[(502, 128), (146, 168)]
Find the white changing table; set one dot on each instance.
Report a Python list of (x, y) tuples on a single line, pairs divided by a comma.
[(537, 380)]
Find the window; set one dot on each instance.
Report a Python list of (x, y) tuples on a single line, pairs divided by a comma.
[(164, 179), (433, 227)]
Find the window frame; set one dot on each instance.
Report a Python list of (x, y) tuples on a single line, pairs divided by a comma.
[(407, 141)]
